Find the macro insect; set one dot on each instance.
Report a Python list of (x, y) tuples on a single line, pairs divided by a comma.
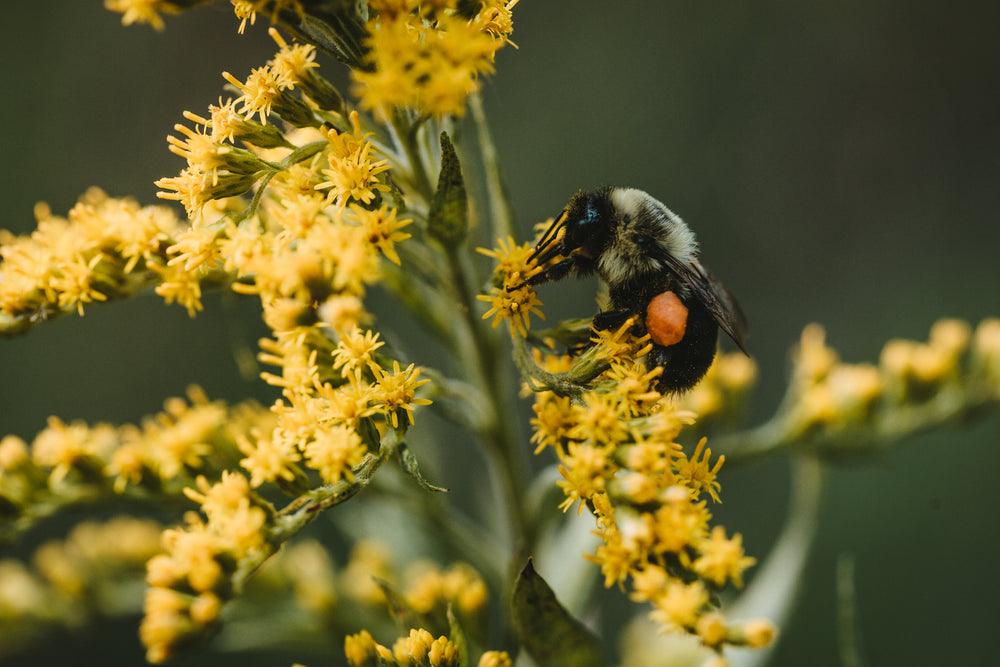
[(648, 257)]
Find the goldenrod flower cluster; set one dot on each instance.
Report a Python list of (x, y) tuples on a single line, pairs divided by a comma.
[(615, 437), (512, 299), (418, 649), (842, 409), (429, 55), (619, 458), (371, 583), (92, 572), (66, 464), (105, 248), (428, 588), (295, 198)]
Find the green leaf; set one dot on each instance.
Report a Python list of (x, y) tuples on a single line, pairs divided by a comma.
[(408, 460), (399, 609), (549, 634), (336, 26), (457, 637), (448, 219)]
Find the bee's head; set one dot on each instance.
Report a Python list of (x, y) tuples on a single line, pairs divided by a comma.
[(586, 224), (589, 218)]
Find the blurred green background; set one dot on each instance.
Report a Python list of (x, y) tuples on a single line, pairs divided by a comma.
[(839, 162)]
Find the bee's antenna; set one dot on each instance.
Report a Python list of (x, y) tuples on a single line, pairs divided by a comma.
[(549, 236)]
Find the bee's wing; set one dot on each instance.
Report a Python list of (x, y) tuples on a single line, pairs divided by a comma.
[(715, 297)]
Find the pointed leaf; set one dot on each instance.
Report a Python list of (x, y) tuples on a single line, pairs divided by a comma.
[(408, 460), (457, 636), (549, 634), (399, 609), (448, 219)]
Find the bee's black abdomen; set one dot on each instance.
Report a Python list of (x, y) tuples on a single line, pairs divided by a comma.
[(687, 361)]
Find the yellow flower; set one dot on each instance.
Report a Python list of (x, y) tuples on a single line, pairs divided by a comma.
[(76, 282), (205, 609), (813, 358), (722, 558), (352, 174), (289, 350), (711, 628), (648, 582), (181, 286), (334, 451), (443, 653), (223, 498), (495, 659), (679, 605), (986, 350), (696, 472), (267, 460), (194, 188), (512, 261), (245, 11), (678, 523), (585, 472), (396, 391), (381, 227), (65, 447), (14, 453), (195, 250), (414, 648), (193, 552), (650, 457), (355, 349), (292, 63), (180, 437), (634, 386), (511, 299), (348, 403), (202, 151), (260, 91), (516, 306), (142, 11), (599, 420), (297, 213), (463, 586), (425, 586), (360, 649), (620, 346), (554, 417), (495, 18), (165, 623), (342, 312), (758, 633), (430, 60)]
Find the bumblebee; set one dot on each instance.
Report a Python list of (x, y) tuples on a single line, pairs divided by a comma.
[(648, 257)]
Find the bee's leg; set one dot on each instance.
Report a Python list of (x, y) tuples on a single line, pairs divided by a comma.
[(611, 319), (555, 272)]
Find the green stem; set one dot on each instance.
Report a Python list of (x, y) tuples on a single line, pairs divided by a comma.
[(775, 586), (503, 216), (481, 356), (303, 153), (406, 132), (562, 384)]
